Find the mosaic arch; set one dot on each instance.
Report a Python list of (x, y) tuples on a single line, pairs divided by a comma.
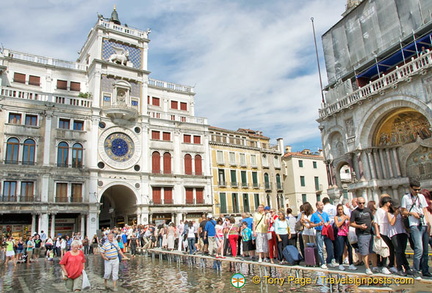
[(401, 127)]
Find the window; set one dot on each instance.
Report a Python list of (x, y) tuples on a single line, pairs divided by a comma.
[(314, 164), (300, 162), (302, 181), (14, 118), (12, 150), (246, 203), (75, 86), (183, 106), (233, 178), (166, 136), (34, 80), (222, 201), (168, 198), (189, 196), (156, 195), (77, 155), (219, 157), (62, 154), (304, 198), (318, 197), (76, 195), (266, 181), (155, 135), (28, 152), (198, 165), (167, 163), (317, 185), (27, 190), (265, 161), (235, 203), (221, 176), (155, 101), (244, 179), (188, 164), (31, 120), (200, 195), (257, 200), (78, 125), (186, 138), (278, 182), (253, 160), (197, 139), (61, 192), (19, 77), (232, 158), (276, 162), (9, 188), (156, 162), (134, 103), (174, 105), (182, 119), (243, 160), (61, 84), (255, 179), (64, 123)]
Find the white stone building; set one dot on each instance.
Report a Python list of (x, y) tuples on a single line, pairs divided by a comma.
[(305, 178), (376, 116), (97, 142)]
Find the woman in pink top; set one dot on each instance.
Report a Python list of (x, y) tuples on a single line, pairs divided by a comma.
[(342, 223)]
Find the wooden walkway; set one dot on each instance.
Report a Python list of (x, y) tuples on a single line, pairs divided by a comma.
[(325, 277)]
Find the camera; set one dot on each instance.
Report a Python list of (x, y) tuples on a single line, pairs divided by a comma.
[(421, 216)]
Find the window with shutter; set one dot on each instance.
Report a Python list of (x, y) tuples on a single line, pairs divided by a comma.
[(183, 106), (61, 84), (156, 194), (34, 80), (19, 77), (75, 86)]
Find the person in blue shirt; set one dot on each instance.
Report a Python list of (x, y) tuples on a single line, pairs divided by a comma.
[(318, 220), (210, 234), (247, 237)]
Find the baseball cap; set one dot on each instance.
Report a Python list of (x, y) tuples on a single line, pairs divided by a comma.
[(209, 216), (267, 208)]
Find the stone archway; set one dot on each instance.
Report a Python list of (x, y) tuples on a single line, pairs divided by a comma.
[(118, 207)]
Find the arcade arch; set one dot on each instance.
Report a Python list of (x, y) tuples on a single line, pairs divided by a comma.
[(118, 207)]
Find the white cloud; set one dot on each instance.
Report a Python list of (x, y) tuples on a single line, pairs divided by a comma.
[(253, 62)]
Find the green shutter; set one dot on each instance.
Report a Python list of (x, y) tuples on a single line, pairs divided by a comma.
[(222, 201)]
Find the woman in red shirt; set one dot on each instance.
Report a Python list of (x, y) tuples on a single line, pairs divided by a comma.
[(72, 265)]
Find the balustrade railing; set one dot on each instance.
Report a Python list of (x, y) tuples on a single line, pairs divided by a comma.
[(399, 74)]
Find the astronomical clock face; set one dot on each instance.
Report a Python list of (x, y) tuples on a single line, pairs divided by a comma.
[(119, 147)]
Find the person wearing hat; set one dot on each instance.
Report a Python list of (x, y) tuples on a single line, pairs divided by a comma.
[(210, 234)]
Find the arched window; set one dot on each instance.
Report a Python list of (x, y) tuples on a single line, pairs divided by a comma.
[(63, 154), (278, 182), (167, 163), (188, 164), (156, 163), (77, 155), (198, 165), (28, 152), (12, 151)]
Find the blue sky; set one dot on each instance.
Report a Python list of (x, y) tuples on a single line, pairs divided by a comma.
[(252, 62)]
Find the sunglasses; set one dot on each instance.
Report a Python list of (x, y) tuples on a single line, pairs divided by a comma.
[(361, 203), (416, 189)]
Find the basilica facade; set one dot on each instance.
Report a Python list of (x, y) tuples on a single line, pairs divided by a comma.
[(97, 142), (376, 114)]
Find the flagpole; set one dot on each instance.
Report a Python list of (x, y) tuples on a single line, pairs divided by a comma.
[(317, 57)]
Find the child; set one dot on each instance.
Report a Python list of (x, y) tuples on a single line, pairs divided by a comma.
[(246, 239)]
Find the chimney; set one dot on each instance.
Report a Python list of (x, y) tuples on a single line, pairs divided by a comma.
[(280, 144), (288, 149)]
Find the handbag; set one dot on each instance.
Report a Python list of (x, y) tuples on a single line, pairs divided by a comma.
[(327, 230), (298, 226), (86, 281)]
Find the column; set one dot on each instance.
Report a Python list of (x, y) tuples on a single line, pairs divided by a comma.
[(371, 164), (376, 195), (150, 218), (52, 232), (47, 145), (33, 224), (377, 165), (139, 216), (179, 218), (365, 194), (383, 163), (83, 216), (389, 160), (92, 223), (395, 193), (396, 161), (360, 166), (43, 223)]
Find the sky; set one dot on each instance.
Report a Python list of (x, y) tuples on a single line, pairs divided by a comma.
[(252, 63)]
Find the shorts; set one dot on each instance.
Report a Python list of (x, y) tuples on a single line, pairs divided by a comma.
[(19, 251), (365, 244), (248, 245), (261, 242), (10, 253)]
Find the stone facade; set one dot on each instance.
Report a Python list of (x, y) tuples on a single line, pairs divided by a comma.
[(376, 120), (97, 142)]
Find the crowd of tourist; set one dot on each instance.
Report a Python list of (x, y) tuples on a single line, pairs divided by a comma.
[(352, 233)]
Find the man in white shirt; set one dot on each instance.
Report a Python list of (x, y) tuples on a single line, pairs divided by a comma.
[(331, 211)]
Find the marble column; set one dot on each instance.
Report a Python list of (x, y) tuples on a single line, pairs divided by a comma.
[(43, 223), (52, 232), (371, 164), (389, 160), (383, 163), (33, 224), (83, 217), (377, 165), (396, 162)]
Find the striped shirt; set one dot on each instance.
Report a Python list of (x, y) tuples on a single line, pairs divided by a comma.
[(110, 249)]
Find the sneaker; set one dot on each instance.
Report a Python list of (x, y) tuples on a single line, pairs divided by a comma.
[(369, 272), (401, 273), (393, 270), (410, 272), (260, 260), (346, 262), (324, 266), (375, 270), (427, 274), (333, 263), (385, 271), (341, 267), (417, 276), (352, 267)]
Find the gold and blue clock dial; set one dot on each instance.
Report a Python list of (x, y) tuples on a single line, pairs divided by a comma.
[(119, 147)]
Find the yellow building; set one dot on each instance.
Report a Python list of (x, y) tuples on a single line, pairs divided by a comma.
[(246, 171)]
